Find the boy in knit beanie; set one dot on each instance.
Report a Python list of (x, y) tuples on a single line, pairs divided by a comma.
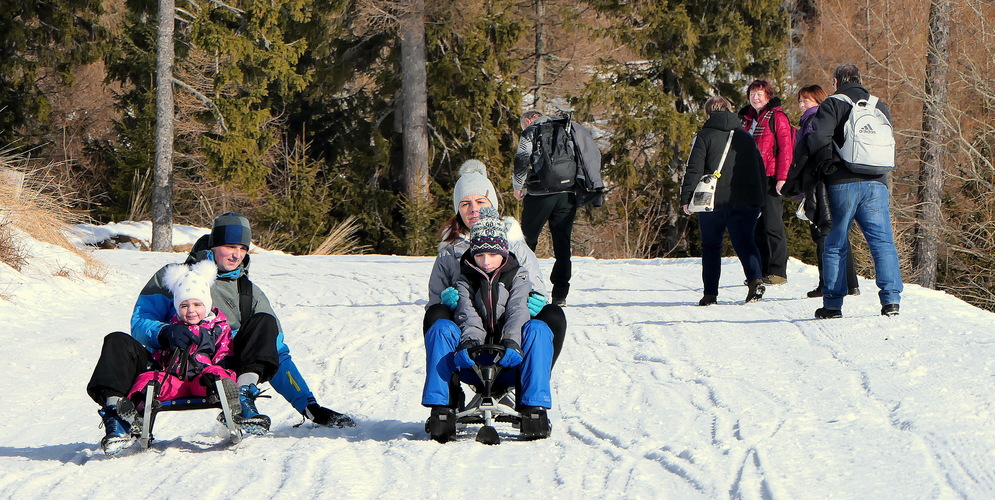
[(489, 241), (493, 309)]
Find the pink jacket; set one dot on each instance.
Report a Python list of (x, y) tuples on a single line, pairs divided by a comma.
[(205, 352), (776, 148), (214, 346)]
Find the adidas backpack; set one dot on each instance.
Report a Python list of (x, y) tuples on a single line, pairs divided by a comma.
[(869, 141)]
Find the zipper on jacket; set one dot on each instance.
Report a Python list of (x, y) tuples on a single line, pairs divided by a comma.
[(489, 299)]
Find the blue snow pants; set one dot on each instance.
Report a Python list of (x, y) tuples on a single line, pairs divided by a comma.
[(532, 375)]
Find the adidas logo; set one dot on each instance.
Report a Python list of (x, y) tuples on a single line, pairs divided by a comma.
[(866, 129)]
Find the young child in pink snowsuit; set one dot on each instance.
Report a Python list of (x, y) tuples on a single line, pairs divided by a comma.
[(210, 338)]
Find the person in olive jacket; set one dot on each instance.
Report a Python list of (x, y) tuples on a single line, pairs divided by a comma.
[(739, 196)]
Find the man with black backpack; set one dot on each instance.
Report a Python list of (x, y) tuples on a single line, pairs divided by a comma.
[(854, 147), (557, 169)]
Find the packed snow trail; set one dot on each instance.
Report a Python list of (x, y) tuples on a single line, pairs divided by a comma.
[(654, 397)]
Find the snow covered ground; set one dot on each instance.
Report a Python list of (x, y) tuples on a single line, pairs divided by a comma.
[(654, 396)]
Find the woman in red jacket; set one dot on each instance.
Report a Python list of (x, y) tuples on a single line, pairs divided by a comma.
[(766, 122)]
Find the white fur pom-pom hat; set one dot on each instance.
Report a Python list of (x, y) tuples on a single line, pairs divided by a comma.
[(193, 282)]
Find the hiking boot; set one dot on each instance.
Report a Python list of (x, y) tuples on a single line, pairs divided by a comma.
[(854, 291), (535, 423), (889, 310), (117, 422), (249, 419), (774, 279), (708, 300), (756, 290), (823, 313), (814, 294), (441, 424)]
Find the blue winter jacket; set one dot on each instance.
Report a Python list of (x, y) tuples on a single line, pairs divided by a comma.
[(155, 306)]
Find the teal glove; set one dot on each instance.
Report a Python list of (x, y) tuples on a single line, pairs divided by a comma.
[(449, 298), (536, 302)]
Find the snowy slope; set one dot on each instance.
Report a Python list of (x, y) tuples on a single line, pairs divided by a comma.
[(654, 396)]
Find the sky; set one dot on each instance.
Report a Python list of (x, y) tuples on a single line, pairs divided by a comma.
[(653, 396)]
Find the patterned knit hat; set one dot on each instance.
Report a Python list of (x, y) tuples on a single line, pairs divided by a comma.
[(191, 282), (473, 180), (230, 228), (489, 234)]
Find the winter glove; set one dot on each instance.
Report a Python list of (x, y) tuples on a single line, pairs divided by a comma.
[(512, 354), (449, 298), (176, 337), (462, 360), (536, 302), (326, 417), (462, 356)]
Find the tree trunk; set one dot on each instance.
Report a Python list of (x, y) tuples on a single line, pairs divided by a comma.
[(162, 184), (414, 104), (540, 54), (934, 143)]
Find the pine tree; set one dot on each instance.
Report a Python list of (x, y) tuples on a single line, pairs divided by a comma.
[(351, 109), (41, 43)]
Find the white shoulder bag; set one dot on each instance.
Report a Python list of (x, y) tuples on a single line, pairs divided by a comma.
[(703, 199)]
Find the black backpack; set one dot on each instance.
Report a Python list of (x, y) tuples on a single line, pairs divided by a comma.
[(554, 157)]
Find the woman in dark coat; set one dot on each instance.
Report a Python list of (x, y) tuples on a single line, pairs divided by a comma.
[(804, 178), (739, 195)]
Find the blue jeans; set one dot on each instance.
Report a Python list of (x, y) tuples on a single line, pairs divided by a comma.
[(741, 222), (867, 203), (532, 376)]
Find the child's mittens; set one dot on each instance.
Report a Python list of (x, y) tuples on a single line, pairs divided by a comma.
[(449, 298), (536, 302)]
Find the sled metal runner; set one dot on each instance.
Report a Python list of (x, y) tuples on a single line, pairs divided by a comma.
[(154, 407)]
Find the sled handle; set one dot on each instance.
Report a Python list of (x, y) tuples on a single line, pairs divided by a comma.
[(496, 350)]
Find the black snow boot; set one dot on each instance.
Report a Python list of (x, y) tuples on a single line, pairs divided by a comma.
[(535, 423)]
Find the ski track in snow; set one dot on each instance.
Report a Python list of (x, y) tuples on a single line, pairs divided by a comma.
[(654, 397)]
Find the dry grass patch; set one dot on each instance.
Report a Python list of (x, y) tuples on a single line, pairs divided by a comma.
[(36, 205)]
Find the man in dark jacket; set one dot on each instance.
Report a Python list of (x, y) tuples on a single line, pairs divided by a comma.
[(853, 196), (739, 196)]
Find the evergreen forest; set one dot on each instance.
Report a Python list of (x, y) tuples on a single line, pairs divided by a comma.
[(291, 112)]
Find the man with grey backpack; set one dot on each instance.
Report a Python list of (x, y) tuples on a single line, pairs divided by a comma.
[(854, 149)]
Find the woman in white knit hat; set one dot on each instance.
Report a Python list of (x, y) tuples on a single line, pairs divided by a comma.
[(472, 192)]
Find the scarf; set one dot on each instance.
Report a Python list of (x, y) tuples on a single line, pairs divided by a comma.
[(761, 122)]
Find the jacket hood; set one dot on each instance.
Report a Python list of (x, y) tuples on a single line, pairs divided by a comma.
[(723, 120), (854, 91)]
